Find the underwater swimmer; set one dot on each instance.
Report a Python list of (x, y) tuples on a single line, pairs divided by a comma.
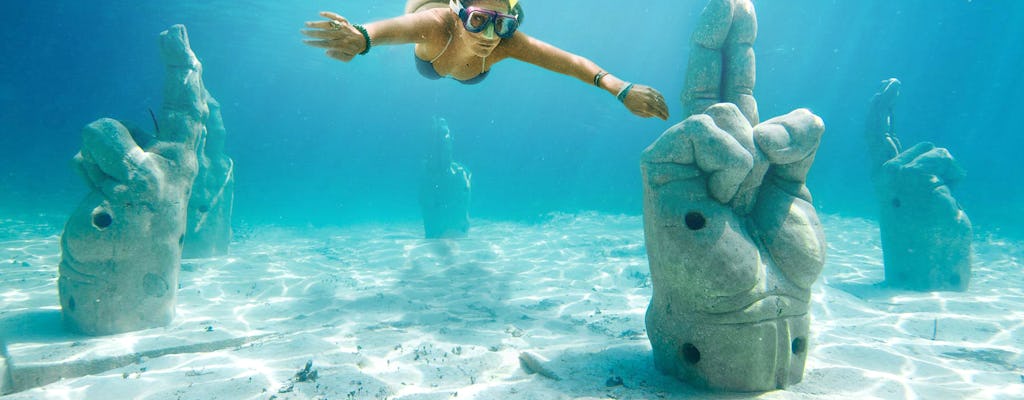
[(463, 39)]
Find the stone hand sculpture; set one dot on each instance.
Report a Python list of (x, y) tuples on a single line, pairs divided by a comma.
[(926, 235), (209, 210), (733, 241), (444, 188), (121, 248)]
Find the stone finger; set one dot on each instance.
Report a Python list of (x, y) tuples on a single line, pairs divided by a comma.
[(110, 146), (88, 170), (714, 24), (717, 153), (939, 162), (703, 80), (789, 227), (729, 118), (738, 80), (790, 143)]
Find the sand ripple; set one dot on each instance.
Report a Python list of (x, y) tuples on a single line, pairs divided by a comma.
[(385, 314)]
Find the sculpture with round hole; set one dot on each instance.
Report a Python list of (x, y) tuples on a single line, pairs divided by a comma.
[(121, 248), (926, 234), (733, 240), (734, 245)]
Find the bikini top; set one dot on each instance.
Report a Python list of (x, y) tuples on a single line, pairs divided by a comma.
[(426, 68)]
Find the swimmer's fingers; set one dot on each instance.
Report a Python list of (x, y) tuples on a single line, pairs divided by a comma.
[(340, 55), (320, 34), (323, 44), (657, 105), (334, 17), (333, 51), (336, 35), (645, 101), (322, 25), (333, 23)]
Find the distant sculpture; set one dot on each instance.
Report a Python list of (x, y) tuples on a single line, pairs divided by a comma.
[(444, 188), (121, 248), (733, 240), (209, 209), (926, 236)]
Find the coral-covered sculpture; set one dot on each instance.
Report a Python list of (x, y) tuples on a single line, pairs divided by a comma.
[(444, 188), (121, 248), (733, 240), (209, 210), (926, 235)]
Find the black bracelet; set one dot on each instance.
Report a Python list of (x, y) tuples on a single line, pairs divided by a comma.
[(597, 78), (366, 37)]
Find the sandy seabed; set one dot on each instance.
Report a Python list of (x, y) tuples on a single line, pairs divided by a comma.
[(376, 312)]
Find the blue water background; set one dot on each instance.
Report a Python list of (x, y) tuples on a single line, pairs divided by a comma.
[(319, 142)]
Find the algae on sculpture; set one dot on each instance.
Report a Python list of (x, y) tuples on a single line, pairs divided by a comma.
[(121, 248), (213, 192), (444, 188), (926, 235), (733, 240)]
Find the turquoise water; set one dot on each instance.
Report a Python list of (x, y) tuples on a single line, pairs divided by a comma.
[(321, 142), (328, 262)]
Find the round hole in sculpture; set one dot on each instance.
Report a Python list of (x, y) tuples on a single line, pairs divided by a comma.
[(690, 353), (154, 285), (204, 209), (101, 219), (896, 203), (799, 345), (71, 304), (695, 221)]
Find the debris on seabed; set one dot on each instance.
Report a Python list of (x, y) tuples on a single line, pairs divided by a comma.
[(532, 365)]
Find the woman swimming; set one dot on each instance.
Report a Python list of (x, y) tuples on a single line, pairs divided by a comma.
[(463, 39)]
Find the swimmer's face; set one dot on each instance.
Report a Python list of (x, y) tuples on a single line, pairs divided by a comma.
[(484, 42)]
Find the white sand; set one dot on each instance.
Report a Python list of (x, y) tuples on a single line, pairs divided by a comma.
[(384, 314)]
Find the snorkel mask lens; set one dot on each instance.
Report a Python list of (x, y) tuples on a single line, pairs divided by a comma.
[(476, 20), (505, 25)]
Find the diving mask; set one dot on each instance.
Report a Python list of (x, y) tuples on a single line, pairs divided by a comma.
[(476, 19)]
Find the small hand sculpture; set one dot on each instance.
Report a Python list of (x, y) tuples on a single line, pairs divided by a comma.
[(444, 188), (926, 235)]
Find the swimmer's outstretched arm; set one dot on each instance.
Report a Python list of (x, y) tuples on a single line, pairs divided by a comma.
[(343, 41), (641, 100)]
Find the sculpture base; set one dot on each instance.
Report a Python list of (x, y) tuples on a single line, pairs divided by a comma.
[(752, 357)]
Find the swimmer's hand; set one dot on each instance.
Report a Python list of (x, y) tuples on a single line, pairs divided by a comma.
[(645, 101), (337, 35)]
